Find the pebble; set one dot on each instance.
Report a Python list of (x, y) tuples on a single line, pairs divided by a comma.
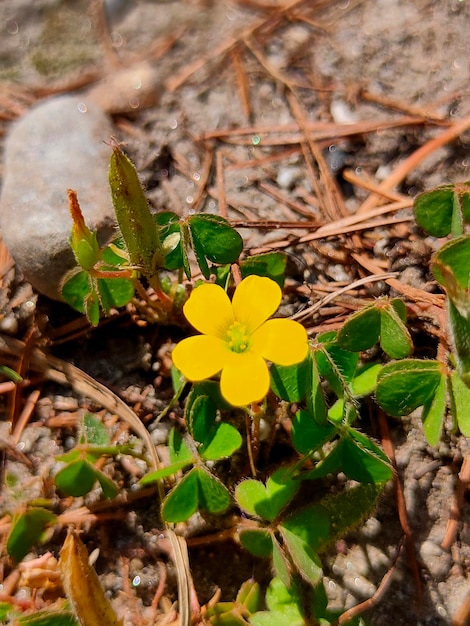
[(127, 89), (437, 561), (58, 144)]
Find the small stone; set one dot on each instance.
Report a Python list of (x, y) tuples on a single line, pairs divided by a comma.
[(437, 561), (128, 89), (57, 145)]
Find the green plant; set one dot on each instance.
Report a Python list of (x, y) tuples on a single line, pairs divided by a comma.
[(436, 384), (244, 371)]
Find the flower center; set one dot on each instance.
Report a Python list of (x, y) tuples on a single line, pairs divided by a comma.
[(237, 337)]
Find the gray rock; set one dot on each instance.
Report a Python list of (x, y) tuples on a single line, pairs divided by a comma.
[(57, 145)]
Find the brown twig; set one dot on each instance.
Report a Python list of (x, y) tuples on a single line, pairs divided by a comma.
[(221, 185), (370, 603), (401, 506), (242, 82), (462, 617), (288, 134), (25, 415), (456, 506)]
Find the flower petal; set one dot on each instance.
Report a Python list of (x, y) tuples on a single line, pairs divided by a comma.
[(200, 357), (281, 341), (244, 379), (255, 299), (209, 310)]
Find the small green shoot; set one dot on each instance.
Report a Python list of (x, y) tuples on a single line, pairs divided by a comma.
[(28, 528), (80, 474)]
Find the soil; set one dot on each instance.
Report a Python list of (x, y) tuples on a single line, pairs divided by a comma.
[(253, 121)]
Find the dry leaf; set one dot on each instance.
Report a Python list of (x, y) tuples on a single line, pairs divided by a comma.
[(82, 585)]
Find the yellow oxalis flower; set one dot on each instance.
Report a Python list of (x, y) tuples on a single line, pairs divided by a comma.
[(238, 338)]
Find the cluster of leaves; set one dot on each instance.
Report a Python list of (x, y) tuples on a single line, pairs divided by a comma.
[(148, 244), (323, 393), (434, 385)]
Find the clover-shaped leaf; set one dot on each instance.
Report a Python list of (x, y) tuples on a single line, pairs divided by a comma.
[(267, 501), (406, 385), (215, 439), (258, 541), (27, 529), (443, 210), (79, 477), (198, 488), (382, 321), (270, 264)]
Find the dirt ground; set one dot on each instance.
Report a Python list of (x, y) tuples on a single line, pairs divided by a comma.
[(283, 116)]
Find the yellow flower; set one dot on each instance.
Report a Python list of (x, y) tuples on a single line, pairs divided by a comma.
[(238, 338)]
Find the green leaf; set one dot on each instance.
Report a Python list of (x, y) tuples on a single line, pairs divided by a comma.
[(404, 386), (92, 307), (307, 434), (177, 380), (26, 530), (77, 478), (281, 564), (270, 264), (361, 330), (395, 339), (225, 440), (434, 412), (217, 240), (217, 439), (163, 472), (460, 397), (248, 600), (109, 487), (291, 382), (171, 238), (114, 255), (213, 495), (460, 331), (284, 603), (76, 289), (357, 456), (183, 500), (197, 489), (347, 509), (383, 320), (363, 460), (48, 618), (451, 268), (198, 249), (364, 383), (443, 210), (257, 541), (304, 558), (200, 415), (249, 595), (311, 524), (115, 292), (251, 497), (95, 431), (267, 502), (334, 363), (330, 464), (178, 448), (137, 225), (5, 609)]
